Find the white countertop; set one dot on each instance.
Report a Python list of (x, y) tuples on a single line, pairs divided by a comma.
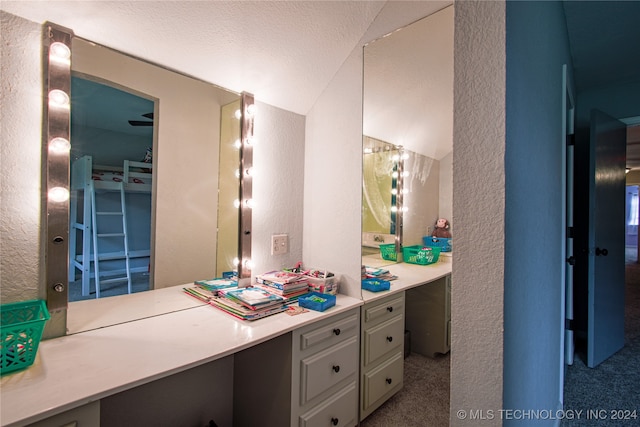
[(77, 369), (410, 276)]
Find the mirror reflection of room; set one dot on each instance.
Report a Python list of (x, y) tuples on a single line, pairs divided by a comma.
[(404, 110), (179, 193), (111, 183)]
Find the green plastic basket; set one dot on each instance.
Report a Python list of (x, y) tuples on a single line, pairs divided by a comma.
[(418, 254), (21, 326), (388, 252)]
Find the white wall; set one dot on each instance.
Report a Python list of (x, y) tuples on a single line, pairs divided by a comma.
[(478, 209), (21, 272)]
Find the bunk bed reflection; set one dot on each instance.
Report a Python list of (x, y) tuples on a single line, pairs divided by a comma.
[(110, 223)]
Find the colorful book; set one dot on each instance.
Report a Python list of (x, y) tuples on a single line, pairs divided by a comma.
[(280, 276), (241, 312), (215, 285), (252, 298)]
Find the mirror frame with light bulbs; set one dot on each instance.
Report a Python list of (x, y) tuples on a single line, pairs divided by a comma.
[(57, 145), (56, 124)]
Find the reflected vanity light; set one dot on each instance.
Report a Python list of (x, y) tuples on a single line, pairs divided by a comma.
[(238, 114), (56, 132), (246, 189), (237, 144)]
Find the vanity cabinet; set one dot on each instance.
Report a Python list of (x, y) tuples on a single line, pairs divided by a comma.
[(325, 372), (428, 317), (306, 378), (381, 351), (84, 416)]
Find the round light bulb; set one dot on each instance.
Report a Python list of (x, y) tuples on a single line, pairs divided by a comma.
[(236, 203), (251, 110), (58, 194), (59, 145), (60, 52), (394, 209), (394, 191), (238, 114), (237, 144), (394, 174), (58, 98), (236, 261)]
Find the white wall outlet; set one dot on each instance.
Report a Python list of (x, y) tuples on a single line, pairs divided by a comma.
[(279, 244)]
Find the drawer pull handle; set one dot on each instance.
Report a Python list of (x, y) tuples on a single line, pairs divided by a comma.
[(389, 339), (388, 380), (334, 421), (390, 309), (336, 331), (336, 368)]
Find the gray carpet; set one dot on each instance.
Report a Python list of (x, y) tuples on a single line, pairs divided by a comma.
[(613, 387), (424, 399)]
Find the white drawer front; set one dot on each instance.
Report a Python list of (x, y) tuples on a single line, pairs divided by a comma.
[(339, 410), (387, 309), (331, 333), (327, 368), (383, 379), (383, 338)]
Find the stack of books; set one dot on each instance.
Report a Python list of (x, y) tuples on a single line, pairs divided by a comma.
[(286, 284), (204, 290), (248, 303), (378, 273)]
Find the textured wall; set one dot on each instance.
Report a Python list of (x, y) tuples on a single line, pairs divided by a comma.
[(21, 106), (278, 159), (478, 209)]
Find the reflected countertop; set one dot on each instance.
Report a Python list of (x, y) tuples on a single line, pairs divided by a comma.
[(410, 276)]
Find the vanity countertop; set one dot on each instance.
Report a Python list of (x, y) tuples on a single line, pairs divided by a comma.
[(410, 276), (73, 370)]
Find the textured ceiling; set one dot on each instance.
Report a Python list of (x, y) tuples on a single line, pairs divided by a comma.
[(285, 52)]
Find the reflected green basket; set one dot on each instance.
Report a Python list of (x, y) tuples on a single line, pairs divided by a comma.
[(388, 252), (422, 255), (21, 326)]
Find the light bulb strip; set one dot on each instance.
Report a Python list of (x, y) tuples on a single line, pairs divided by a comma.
[(57, 124), (399, 200), (246, 188)]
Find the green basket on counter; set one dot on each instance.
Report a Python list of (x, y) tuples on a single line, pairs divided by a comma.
[(21, 326), (422, 255)]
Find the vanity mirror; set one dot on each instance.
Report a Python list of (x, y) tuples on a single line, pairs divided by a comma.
[(408, 106), (194, 140)]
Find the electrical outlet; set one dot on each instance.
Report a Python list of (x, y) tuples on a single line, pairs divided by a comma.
[(279, 244)]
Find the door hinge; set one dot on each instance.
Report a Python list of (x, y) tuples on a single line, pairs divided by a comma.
[(571, 139), (570, 231), (568, 324)]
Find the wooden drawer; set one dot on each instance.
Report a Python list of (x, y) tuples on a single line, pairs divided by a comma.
[(329, 334), (327, 368), (384, 310), (339, 410), (383, 338), (383, 380)]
